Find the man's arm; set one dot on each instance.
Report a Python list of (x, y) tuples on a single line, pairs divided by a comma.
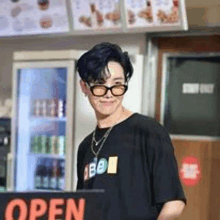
[(171, 210)]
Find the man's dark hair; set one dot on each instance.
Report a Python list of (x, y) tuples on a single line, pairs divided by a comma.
[(92, 64)]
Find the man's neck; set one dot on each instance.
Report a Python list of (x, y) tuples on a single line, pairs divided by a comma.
[(119, 115)]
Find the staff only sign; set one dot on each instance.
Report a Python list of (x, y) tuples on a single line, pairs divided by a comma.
[(52, 205)]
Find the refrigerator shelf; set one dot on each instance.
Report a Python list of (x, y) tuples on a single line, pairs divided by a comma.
[(48, 118), (45, 190), (55, 156)]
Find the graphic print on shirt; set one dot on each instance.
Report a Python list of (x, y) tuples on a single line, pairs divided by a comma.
[(100, 167)]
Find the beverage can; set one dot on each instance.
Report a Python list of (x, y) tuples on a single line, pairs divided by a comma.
[(49, 145), (60, 108), (45, 107), (53, 107), (34, 144), (42, 103), (37, 107), (39, 144), (54, 144), (44, 140), (61, 145)]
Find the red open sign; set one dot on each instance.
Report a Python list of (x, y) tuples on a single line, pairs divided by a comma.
[(38, 208), (83, 205)]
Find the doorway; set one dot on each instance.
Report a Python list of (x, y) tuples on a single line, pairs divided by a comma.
[(187, 104)]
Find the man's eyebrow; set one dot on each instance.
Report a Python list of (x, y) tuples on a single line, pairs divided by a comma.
[(118, 78)]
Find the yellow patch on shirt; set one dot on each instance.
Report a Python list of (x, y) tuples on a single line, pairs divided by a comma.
[(112, 165)]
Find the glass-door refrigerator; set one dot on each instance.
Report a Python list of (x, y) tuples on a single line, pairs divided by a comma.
[(42, 125)]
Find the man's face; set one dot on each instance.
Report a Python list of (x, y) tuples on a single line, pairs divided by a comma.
[(107, 104)]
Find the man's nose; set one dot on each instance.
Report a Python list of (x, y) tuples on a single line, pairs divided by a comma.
[(108, 94)]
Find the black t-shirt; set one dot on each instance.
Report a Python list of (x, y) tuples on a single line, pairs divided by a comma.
[(136, 166)]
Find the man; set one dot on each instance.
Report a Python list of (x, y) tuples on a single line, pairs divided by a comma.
[(128, 154)]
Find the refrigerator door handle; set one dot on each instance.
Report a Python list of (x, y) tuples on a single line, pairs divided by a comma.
[(10, 172)]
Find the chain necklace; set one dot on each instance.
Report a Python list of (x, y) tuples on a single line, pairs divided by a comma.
[(97, 142), (103, 139)]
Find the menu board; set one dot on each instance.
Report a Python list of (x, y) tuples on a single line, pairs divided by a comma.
[(153, 13), (96, 14), (23, 17)]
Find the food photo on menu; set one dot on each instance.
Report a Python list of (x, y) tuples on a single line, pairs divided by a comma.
[(97, 17), (43, 4), (22, 21), (139, 13), (17, 9), (114, 14), (172, 16), (46, 22), (96, 14), (146, 13), (18, 19), (21, 17)]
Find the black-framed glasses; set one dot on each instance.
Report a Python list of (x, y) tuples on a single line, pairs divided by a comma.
[(101, 90)]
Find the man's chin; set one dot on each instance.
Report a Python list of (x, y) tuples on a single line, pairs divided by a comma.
[(105, 113)]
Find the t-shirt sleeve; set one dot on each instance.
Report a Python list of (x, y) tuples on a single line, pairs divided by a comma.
[(166, 185)]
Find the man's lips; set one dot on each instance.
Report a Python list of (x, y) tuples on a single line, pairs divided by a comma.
[(107, 103)]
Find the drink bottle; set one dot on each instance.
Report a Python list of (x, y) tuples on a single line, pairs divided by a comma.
[(38, 175), (53, 174), (45, 174), (61, 175)]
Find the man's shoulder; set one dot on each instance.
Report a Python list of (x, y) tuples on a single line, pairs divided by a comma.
[(150, 126), (147, 122), (145, 118)]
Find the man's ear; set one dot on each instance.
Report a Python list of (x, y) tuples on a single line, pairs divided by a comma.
[(83, 86)]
